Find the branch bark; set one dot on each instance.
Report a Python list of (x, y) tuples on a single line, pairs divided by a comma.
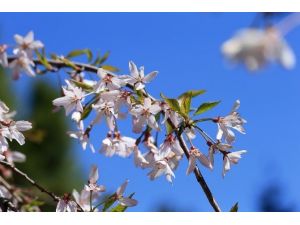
[(30, 180)]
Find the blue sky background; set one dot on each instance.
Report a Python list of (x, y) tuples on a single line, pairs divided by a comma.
[(185, 49)]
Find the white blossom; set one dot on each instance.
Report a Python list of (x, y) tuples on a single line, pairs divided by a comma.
[(105, 107), (21, 64), (116, 144), (129, 202), (194, 155), (170, 114), (65, 204), (231, 121), (255, 47), (82, 136), (83, 199), (161, 167), (3, 56), (14, 156), (170, 144), (12, 130), (231, 158), (213, 148), (92, 185), (27, 44), (72, 99), (108, 80), (139, 159), (137, 77), (145, 114)]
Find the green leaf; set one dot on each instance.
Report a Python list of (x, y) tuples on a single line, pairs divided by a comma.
[(194, 93), (68, 63), (185, 103), (43, 59), (104, 58), (110, 68), (173, 103), (206, 106), (79, 52), (82, 85), (235, 208), (169, 128), (121, 208), (109, 202), (86, 112)]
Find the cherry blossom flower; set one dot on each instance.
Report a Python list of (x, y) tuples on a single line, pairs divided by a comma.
[(137, 77), (231, 158), (231, 121), (213, 148), (82, 136), (152, 153), (117, 145), (170, 114), (21, 64), (161, 167), (170, 144), (3, 56), (3, 143), (105, 107), (72, 99), (93, 186), (255, 47), (14, 156), (164, 166), (145, 114), (139, 159), (4, 193), (194, 155), (122, 100), (65, 204), (83, 199), (5, 115), (12, 130), (129, 202), (27, 44), (108, 80)]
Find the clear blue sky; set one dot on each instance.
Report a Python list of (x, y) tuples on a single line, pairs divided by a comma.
[(185, 49)]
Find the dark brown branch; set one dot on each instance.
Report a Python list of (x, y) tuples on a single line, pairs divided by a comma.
[(59, 64), (199, 176), (30, 180)]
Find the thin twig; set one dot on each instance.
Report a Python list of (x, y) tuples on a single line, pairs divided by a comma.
[(30, 180), (59, 64), (199, 176)]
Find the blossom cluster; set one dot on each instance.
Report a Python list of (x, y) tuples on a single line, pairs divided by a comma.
[(87, 199), (11, 130), (256, 47), (23, 52), (113, 97)]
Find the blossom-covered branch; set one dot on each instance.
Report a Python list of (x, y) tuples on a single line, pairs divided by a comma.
[(112, 97)]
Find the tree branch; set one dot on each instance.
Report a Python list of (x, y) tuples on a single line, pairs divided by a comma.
[(30, 180), (59, 64), (199, 177)]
